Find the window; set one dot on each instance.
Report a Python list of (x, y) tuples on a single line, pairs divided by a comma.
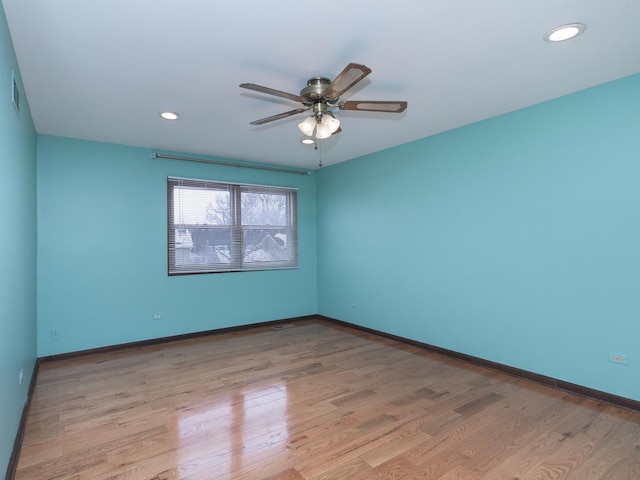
[(225, 227)]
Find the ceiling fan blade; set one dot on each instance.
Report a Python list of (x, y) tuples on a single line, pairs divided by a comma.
[(271, 91), (278, 117), (347, 78), (373, 106)]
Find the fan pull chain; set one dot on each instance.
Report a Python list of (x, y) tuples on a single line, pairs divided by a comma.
[(317, 145)]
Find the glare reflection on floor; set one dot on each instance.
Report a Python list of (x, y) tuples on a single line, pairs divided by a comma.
[(245, 427)]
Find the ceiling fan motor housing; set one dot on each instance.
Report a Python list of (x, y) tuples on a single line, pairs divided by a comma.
[(314, 90)]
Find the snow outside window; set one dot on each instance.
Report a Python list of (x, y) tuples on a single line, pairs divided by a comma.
[(226, 227)]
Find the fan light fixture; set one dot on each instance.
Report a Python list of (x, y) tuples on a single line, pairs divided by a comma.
[(308, 126), (564, 32), (323, 125)]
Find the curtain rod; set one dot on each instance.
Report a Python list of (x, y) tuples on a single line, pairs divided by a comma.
[(230, 164)]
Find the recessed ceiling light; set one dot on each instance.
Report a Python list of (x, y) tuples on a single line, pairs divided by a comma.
[(308, 141), (170, 115), (564, 32)]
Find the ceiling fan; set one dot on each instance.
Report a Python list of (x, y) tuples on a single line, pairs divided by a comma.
[(320, 95)]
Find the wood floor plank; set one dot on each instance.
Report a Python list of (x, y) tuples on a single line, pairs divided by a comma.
[(288, 474), (314, 401)]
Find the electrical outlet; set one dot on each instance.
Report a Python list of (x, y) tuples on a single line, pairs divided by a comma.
[(55, 334), (20, 376), (157, 316), (618, 358)]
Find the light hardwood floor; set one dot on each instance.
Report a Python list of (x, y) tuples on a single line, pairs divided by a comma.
[(312, 401)]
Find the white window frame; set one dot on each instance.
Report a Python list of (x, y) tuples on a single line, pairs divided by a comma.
[(236, 249)]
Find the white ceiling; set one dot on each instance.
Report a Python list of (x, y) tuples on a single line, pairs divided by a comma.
[(104, 69)]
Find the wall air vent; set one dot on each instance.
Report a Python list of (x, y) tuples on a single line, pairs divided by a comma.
[(15, 93)]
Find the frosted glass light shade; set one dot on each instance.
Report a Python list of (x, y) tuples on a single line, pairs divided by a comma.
[(322, 131), (307, 126), (331, 123)]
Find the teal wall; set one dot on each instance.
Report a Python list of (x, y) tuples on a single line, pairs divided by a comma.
[(102, 251), (516, 239), (17, 249)]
